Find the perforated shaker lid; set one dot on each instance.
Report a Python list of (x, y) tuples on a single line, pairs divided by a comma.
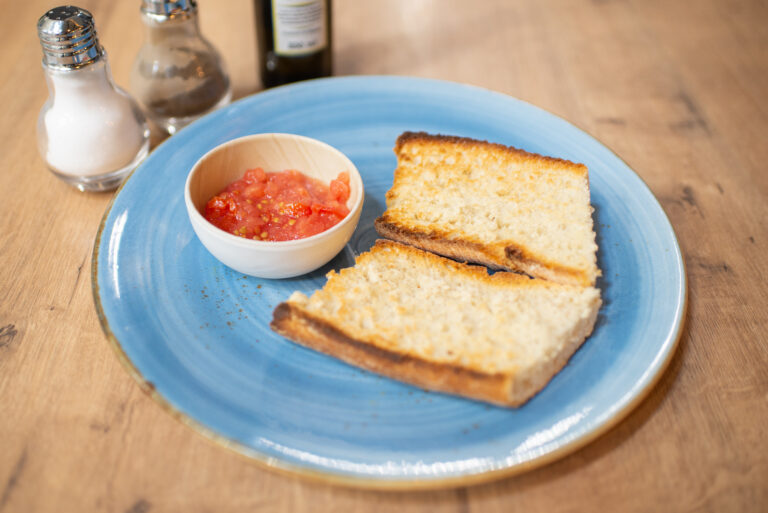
[(168, 9), (68, 37)]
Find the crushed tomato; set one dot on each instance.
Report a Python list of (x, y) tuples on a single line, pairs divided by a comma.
[(284, 205)]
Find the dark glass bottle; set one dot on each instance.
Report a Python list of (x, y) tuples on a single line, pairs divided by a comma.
[(294, 38)]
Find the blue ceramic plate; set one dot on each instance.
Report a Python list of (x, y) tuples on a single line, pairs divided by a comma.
[(195, 334)]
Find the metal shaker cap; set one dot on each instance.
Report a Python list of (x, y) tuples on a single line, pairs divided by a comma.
[(160, 10), (68, 37)]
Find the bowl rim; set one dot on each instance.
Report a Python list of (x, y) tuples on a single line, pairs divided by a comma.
[(201, 222)]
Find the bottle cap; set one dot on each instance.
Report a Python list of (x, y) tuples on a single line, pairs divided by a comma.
[(68, 37), (168, 9)]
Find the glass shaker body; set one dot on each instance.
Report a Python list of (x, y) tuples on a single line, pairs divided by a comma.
[(178, 75), (90, 133)]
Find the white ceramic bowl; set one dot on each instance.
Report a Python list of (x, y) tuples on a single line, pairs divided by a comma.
[(272, 152)]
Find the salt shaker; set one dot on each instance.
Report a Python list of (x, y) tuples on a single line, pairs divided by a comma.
[(177, 75), (90, 133)]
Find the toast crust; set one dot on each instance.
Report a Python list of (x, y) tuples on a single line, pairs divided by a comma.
[(515, 258), (293, 322), (466, 142)]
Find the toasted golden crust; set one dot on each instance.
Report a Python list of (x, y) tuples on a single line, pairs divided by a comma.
[(300, 326), (436, 222), (334, 322), (474, 272), (465, 142), (515, 258)]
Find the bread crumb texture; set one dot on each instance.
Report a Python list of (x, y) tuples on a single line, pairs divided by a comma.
[(410, 302), (498, 197)]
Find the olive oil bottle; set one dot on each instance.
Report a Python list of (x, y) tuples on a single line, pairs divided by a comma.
[(294, 38)]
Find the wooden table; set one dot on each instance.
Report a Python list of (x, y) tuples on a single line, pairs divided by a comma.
[(678, 89)]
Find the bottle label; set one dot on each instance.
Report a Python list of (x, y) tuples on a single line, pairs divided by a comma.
[(299, 26)]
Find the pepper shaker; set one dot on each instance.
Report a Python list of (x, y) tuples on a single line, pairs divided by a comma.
[(177, 75), (90, 133)]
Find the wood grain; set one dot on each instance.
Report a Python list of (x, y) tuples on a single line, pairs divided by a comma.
[(677, 89)]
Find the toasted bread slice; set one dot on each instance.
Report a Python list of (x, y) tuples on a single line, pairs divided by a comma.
[(495, 205), (443, 325)]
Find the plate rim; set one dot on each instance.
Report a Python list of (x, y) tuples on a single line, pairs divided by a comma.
[(410, 483)]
